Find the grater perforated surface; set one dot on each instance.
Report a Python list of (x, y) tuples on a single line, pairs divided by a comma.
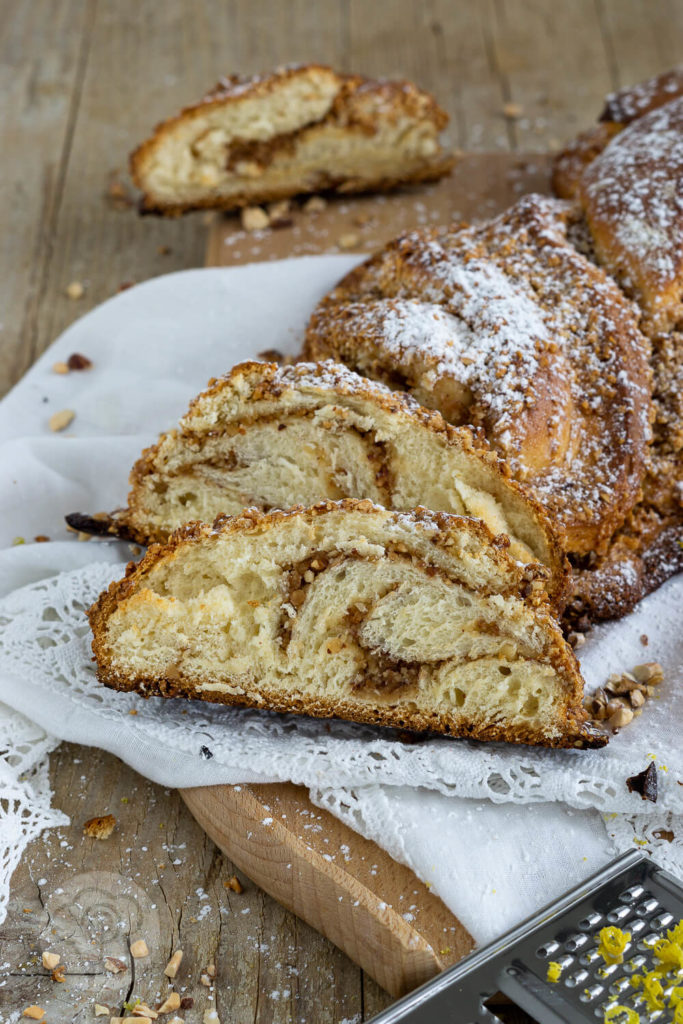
[(631, 893)]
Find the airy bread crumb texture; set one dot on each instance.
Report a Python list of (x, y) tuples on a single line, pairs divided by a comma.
[(273, 437), (299, 129), (419, 620)]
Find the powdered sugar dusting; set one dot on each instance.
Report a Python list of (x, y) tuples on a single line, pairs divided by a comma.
[(636, 100), (634, 192)]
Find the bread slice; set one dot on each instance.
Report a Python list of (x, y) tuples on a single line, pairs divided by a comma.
[(296, 130), (272, 437), (419, 620)]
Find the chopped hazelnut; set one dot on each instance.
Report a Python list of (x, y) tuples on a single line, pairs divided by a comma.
[(60, 368), (61, 420), (59, 973), (211, 970), (78, 362), (637, 699), (280, 213), (234, 883), (513, 110), (348, 240), (144, 1011), (651, 672), (211, 1017), (115, 966), (50, 960), (34, 1012), (172, 1002), (139, 949), (620, 718), (75, 290), (205, 979), (173, 964), (100, 828), (315, 204), (254, 218), (101, 1011)]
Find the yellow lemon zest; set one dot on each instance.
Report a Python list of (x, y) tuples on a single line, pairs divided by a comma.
[(678, 1014), (554, 971), (676, 996), (613, 942), (676, 934), (653, 992), (625, 1013), (669, 954)]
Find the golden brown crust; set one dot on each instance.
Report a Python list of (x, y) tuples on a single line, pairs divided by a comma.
[(395, 97), (414, 315), (444, 531), (571, 162)]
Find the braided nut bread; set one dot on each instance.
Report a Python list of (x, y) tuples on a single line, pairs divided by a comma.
[(272, 437), (419, 620), (506, 326), (298, 129)]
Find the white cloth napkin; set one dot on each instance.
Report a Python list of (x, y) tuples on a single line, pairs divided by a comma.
[(153, 347)]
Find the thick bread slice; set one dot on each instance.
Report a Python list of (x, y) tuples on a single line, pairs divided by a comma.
[(272, 437), (298, 129), (419, 620)]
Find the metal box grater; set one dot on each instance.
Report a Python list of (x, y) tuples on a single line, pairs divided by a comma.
[(631, 893)]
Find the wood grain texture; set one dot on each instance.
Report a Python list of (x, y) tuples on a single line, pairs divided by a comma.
[(343, 885), (83, 81)]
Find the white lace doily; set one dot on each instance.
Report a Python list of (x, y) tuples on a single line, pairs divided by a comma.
[(46, 670)]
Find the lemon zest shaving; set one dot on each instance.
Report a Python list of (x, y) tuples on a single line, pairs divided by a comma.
[(613, 942), (629, 1016), (554, 971)]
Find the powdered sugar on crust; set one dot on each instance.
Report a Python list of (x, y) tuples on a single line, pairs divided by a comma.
[(633, 194), (636, 100), (505, 326)]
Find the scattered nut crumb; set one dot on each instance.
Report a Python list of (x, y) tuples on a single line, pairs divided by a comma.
[(115, 966), (176, 1020), (513, 110), (234, 883), (186, 1003), (645, 783), (644, 639), (205, 979), (125, 285), (348, 240), (101, 1011), (60, 368), (254, 218), (61, 420), (82, 536), (34, 1012), (76, 361), (142, 1010), (50, 960), (171, 1003), (315, 204), (117, 195), (139, 949), (75, 290), (99, 828), (620, 718), (280, 214), (164, 250), (59, 973), (41, 538), (173, 964), (211, 1017), (651, 672), (211, 970)]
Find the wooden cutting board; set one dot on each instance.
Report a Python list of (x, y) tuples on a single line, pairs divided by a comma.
[(346, 886)]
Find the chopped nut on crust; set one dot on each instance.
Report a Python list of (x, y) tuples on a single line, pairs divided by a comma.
[(254, 218), (234, 883), (172, 1002), (173, 964), (139, 949), (115, 966), (61, 420), (100, 828), (50, 960), (34, 1012)]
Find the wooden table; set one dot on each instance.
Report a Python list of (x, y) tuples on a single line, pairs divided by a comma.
[(83, 81)]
